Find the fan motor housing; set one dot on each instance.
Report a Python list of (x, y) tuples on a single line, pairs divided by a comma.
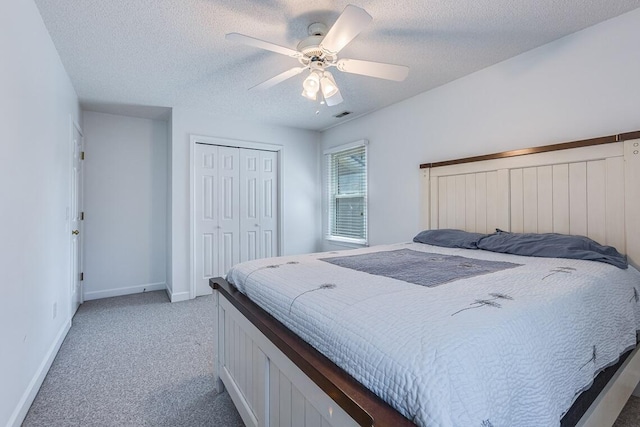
[(313, 55), (311, 46)]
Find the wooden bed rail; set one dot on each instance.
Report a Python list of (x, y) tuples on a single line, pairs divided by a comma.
[(362, 405)]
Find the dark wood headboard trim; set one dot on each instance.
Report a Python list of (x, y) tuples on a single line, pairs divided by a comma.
[(629, 135), (542, 149), (361, 404)]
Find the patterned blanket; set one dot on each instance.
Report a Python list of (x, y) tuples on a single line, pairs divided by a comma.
[(420, 268)]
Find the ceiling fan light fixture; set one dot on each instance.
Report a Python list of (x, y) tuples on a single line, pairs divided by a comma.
[(312, 84), (335, 99), (328, 85), (310, 95)]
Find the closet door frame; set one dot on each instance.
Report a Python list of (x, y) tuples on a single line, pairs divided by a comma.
[(235, 143)]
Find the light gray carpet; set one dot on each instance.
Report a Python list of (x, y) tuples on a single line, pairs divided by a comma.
[(139, 360), (136, 360)]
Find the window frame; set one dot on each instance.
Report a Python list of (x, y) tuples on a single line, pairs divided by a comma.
[(330, 216)]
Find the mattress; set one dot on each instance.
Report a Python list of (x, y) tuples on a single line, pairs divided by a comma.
[(510, 347)]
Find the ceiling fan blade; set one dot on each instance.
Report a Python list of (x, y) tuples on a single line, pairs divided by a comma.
[(373, 69), (252, 41), (348, 25), (278, 79)]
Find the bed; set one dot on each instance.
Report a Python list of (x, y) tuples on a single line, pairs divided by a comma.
[(277, 378)]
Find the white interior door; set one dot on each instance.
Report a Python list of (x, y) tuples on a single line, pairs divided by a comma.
[(76, 217), (236, 202)]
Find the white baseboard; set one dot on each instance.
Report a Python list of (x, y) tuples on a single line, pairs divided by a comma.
[(124, 291), (30, 393), (178, 296)]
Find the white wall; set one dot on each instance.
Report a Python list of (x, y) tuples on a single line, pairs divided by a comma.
[(37, 104), (584, 85), (125, 204), (301, 177)]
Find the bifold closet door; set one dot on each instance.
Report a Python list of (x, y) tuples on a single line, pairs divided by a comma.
[(217, 212), (236, 218), (258, 204)]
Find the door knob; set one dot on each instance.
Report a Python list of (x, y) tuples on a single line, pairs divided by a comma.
[(75, 232)]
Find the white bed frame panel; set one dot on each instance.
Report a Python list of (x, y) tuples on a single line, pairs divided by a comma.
[(265, 386), (592, 191)]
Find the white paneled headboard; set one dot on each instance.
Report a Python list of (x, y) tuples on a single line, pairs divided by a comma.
[(591, 190)]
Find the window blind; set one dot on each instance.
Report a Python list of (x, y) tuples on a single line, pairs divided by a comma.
[(347, 179)]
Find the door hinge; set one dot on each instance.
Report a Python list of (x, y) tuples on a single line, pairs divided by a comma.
[(82, 155), (81, 216), (81, 277)]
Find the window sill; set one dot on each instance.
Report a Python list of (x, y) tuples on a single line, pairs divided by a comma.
[(350, 243)]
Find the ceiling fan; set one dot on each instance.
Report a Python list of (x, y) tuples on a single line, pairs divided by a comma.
[(318, 52)]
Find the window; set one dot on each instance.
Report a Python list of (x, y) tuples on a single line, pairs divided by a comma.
[(347, 192)]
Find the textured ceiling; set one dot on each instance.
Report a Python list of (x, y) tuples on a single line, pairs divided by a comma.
[(173, 53)]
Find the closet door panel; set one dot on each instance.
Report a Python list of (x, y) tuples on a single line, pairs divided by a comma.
[(250, 205), (258, 204), (229, 207), (206, 218), (269, 198)]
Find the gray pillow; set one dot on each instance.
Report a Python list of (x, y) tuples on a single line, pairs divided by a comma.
[(552, 245), (449, 238)]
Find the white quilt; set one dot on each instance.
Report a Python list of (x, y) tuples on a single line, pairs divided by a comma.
[(506, 349)]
